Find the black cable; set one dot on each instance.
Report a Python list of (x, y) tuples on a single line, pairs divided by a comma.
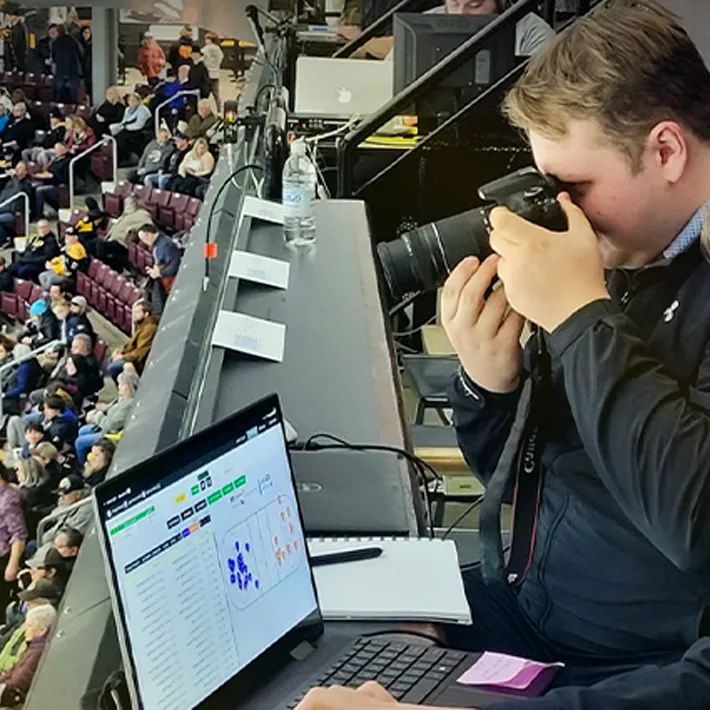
[(470, 508), (208, 238), (420, 466)]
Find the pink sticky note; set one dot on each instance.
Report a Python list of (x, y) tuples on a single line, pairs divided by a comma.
[(499, 670)]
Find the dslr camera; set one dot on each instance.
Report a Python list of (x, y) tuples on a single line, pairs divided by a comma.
[(421, 260)]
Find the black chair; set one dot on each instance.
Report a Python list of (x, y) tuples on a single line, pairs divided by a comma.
[(430, 376)]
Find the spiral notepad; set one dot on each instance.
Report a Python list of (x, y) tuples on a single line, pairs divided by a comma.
[(415, 579)]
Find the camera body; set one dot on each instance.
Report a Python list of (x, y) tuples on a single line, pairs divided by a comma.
[(421, 260)]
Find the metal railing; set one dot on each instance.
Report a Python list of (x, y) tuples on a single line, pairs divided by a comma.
[(184, 92), (26, 199), (48, 519), (16, 363), (347, 146), (96, 146)]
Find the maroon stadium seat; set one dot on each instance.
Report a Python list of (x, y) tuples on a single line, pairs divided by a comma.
[(23, 289), (142, 193), (100, 350), (82, 284), (93, 269), (8, 304), (36, 293)]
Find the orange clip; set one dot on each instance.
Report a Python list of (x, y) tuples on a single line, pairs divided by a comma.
[(210, 250)]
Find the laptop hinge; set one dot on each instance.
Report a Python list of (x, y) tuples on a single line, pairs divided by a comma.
[(303, 650)]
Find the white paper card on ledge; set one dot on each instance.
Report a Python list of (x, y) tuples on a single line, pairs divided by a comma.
[(261, 269), (253, 336), (263, 209)]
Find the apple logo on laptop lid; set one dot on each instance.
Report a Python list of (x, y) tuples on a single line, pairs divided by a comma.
[(345, 96)]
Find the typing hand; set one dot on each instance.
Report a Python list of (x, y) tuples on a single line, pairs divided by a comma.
[(370, 696), (548, 276)]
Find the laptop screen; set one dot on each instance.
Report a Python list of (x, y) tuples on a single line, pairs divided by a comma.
[(209, 561)]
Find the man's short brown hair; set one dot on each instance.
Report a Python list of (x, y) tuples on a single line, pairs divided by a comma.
[(628, 65)]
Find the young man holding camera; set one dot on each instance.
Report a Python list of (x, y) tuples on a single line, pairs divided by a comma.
[(617, 573)]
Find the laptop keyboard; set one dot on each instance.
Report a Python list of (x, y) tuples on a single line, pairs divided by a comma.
[(403, 669)]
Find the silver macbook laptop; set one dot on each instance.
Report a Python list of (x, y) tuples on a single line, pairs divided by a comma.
[(341, 88)]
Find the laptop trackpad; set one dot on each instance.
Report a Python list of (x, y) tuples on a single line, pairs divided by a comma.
[(460, 696)]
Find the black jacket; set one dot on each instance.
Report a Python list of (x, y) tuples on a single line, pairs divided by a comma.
[(199, 78), (174, 160), (79, 323), (44, 52), (181, 52), (61, 430), (621, 569), (56, 135), (22, 132), (59, 168), (40, 251), (47, 330), (67, 55)]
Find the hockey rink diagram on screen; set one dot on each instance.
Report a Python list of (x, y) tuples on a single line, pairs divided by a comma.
[(264, 548)]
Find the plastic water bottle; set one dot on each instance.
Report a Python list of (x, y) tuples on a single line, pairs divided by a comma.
[(299, 193)]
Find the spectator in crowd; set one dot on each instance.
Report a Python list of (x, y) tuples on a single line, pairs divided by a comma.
[(73, 320), (20, 130), (13, 536), (40, 593), (24, 379), (43, 326), (68, 67), (16, 681), (67, 542), (200, 124), (58, 292), (107, 419), (43, 154), (19, 183), (34, 435), (35, 491), (151, 60), (167, 90), (195, 169), (80, 137), (109, 112), (6, 279), (59, 429), (137, 349), (180, 53), (98, 462), (212, 58), (56, 465), (18, 43), (44, 49), (85, 44), (48, 182), (199, 77), (166, 262), (41, 248), (113, 250), (154, 159), (90, 224), (172, 164), (5, 100), (130, 133), (4, 121), (72, 489), (80, 380), (48, 564), (73, 259)]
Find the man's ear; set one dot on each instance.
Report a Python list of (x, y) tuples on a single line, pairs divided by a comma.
[(669, 149)]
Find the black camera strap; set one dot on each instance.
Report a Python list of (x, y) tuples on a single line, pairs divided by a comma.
[(521, 457)]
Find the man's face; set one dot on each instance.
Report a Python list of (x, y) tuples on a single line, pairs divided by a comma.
[(182, 144), (204, 110), (625, 209), (163, 136), (138, 314), (42, 228), (471, 7), (53, 33), (55, 292), (18, 111), (79, 347), (21, 170), (63, 548)]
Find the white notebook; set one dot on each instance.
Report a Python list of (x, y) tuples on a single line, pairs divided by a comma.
[(415, 579)]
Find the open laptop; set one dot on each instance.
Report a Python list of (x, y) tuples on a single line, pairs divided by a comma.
[(341, 88), (211, 583)]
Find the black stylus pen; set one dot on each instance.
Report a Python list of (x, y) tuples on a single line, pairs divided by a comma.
[(334, 558)]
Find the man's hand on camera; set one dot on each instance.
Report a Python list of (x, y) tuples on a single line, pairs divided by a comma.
[(548, 276), (484, 332)]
